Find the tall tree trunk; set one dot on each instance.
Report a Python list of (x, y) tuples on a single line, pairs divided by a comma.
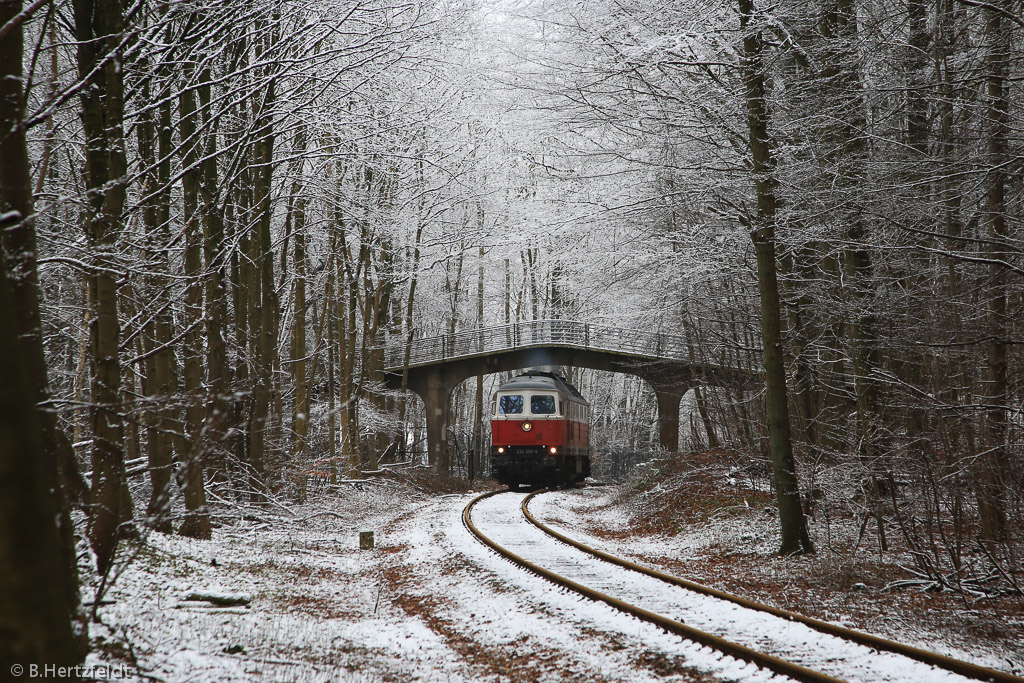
[(35, 604), (331, 318), (300, 420), (37, 539), (217, 375), (377, 282), (477, 449), (197, 519), (265, 326), (994, 465), (953, 372), (347, 308), (154, 140), (242, 293), (795, 538), (413, 279), (918, 83), (804, 262), (99, 30), (347, 341), (238, 206)]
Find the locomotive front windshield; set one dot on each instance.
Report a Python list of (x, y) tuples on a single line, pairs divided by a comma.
[(542, 405), (515, 404), (510, 405)]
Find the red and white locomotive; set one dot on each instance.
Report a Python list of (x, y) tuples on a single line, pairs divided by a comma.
[(540, 431)]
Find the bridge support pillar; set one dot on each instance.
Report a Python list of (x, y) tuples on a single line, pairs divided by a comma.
[(668, 416), (435, 388)]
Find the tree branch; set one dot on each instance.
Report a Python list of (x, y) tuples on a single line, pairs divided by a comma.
[(995, 8), (20, 18)]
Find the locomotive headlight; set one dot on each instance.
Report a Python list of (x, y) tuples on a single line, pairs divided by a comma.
[(527, 426), (501, 449), (553, 450)]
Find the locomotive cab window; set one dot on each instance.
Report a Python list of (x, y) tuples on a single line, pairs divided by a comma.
[(510, 405), (542, 405)]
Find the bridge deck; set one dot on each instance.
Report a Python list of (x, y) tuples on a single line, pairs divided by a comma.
[(537, 333)]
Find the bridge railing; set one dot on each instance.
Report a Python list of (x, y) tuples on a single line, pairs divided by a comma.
[(568, 333)]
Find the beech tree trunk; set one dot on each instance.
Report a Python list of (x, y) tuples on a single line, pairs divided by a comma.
[(217, 375), (263, 296), (477, 448), (99, 30), (35, 604), (994, 464), (795, 539), (300, 419), (197, 519), (39, 594), (155, 150)]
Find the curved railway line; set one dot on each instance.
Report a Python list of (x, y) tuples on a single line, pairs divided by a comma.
[(783, 642)]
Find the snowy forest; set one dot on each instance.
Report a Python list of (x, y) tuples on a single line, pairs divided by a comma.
[(218, 215)]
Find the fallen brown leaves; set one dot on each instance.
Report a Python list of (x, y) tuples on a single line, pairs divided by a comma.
[(519, 661)]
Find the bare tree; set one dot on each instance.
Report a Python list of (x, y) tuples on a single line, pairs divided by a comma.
[(99, 29), (795, 538), (36, 539)]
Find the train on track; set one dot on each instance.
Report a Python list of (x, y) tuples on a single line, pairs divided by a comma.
[(540, 432)]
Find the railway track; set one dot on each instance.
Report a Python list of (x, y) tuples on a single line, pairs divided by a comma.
[(782, 642)]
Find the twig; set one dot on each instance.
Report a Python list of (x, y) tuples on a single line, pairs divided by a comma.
[(380, 590), (1002, 572), (319, 514)]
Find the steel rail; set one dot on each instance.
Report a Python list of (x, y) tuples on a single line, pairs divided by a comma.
[(735, 650), (925, 656)]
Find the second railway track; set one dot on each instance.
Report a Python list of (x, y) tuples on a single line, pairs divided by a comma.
[(783, 643)]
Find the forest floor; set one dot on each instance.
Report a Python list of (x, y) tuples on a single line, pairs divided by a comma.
[(429, 603), (697, 518)]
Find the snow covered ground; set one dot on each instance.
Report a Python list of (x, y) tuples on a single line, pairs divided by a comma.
[(737, 553), (795, 642), (428, 603), (320, 607)]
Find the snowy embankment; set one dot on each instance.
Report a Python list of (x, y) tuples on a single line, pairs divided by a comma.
[(428, 603), (736, 552), (287, 595), (316, 611)]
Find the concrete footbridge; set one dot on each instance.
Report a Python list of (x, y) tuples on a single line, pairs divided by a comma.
[(432, 367)]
